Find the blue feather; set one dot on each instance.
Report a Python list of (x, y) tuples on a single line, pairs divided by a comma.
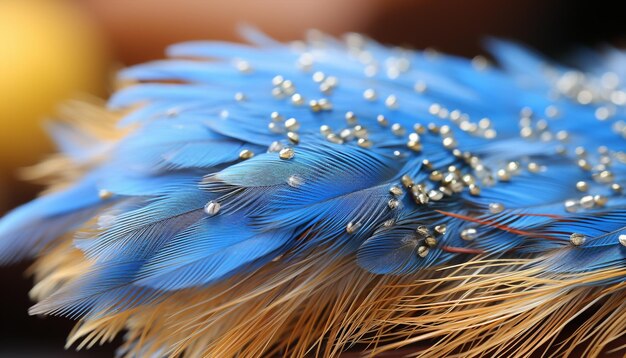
[(138, 233), (27, 230), (208, 251), (452, 127)]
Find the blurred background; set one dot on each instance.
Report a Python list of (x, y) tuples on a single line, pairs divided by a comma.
[(55, 50)]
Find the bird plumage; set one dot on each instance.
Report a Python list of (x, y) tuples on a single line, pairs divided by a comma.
[(311, 197)]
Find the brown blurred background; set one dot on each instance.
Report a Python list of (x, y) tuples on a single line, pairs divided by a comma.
[(53, 50)]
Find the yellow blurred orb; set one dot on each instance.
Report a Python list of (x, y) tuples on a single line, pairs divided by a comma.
[(49, 51)]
